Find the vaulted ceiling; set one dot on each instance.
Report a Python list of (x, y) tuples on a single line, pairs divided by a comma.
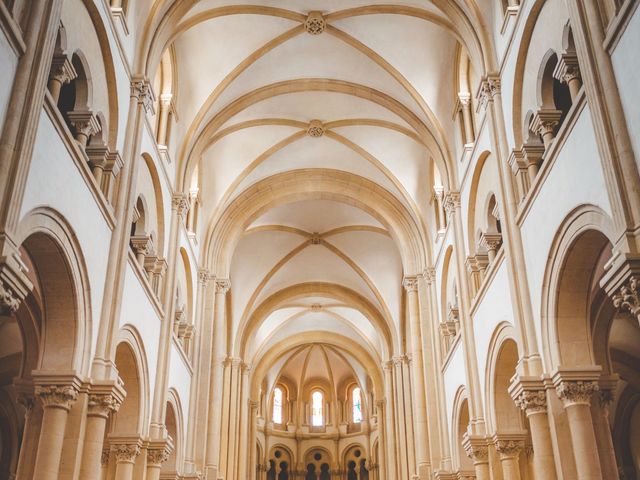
[(316, 131)]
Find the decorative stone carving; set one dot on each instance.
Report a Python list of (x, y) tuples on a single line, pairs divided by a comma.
[(429, 275), (576, 391), (9, 301), (103, 404), (86, 124), (544, 123), (628, 297), (203, 277), (476, 449), (142, 244), (567, 68), (489, 88), (157, 456), (180, 203), (57, 396), (126, 452), (508, 447), (62, 70), (104, 457), (316, 239), (451, 202), (410, 284), (142, 91), (316, 307), (315, 129), (315, 23), (491, 241), (222, 285), (532, 401)]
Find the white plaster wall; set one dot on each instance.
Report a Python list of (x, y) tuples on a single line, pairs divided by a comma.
[(9, 62), (454, 376), (55, 181), (627, 69), (575, 179), (180, 380)]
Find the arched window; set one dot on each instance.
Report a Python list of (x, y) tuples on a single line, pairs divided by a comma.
[(356, 402), (277, 405), (317, 400)]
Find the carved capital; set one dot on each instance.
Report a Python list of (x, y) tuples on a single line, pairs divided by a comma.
[(157, 456), (628, 297), (532, 401), (316, 129), (9, 300), (104, 457), (62, 69), (126, 453), (410, 284), (142, 244), (400, 359), (508, 447), (489, 88), (102, 404), (475, 448), (57, 396), (180, 203), (141, 90), (204, 276), (490, 241), (545, 121), (451, 202), (315, 23), (85, 122), (567, 68), (222, 285), (576, 391)]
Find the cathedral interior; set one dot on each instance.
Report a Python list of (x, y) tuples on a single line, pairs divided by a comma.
[(319, 240)]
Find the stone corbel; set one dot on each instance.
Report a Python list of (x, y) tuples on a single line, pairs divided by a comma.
[(85, 123), (544, 123)]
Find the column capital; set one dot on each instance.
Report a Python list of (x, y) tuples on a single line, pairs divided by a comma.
[(142, 244), (490, 240), (476, 448), (410, 283), (62, 69), (489, 88), (451, 202), (57, 396), (157, 456), (222, 285), (567, 68), (204, 276), (627, 298), (104, 457), (85, 122), (429, 275), (400, 359), (180, 203), (545, 121), (142, 91), (125, 453), (509, 445), (105, 398), (576, 387)]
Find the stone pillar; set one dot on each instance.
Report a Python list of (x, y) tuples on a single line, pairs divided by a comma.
[(491, 242), (392, 443), (103, 400), (568, 71), (56, 400), (600, 413), (509, 448), (544, 123), (85, 123), (477, 450), (62, 72), (215, 385), (165, 108), (244, 444), (125, 455), (30, 433), (532, 399), (575, 391), (438, 192), (467, 118), (157, 454), (253, 460), (417, 379)]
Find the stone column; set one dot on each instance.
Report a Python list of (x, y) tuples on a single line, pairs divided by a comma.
[(253, 460), (600, 413), (56, 400), (477, 450), (467, 118), (30, 433), (215, 385), (157, 454), (576, 391), (165, 108), (417, 379), (544, 123), (103, 400), (62, 72), (532, 399), (568, 71), (391, 440), (509, 448), (243, 443), (85, 123), (125, 455), (401, 417)]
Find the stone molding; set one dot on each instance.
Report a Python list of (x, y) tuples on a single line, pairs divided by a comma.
[(628, 297), (315, 23)]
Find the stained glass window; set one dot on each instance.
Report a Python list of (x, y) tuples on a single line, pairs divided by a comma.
[(277, 405), (316, 409), (357, 405)]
